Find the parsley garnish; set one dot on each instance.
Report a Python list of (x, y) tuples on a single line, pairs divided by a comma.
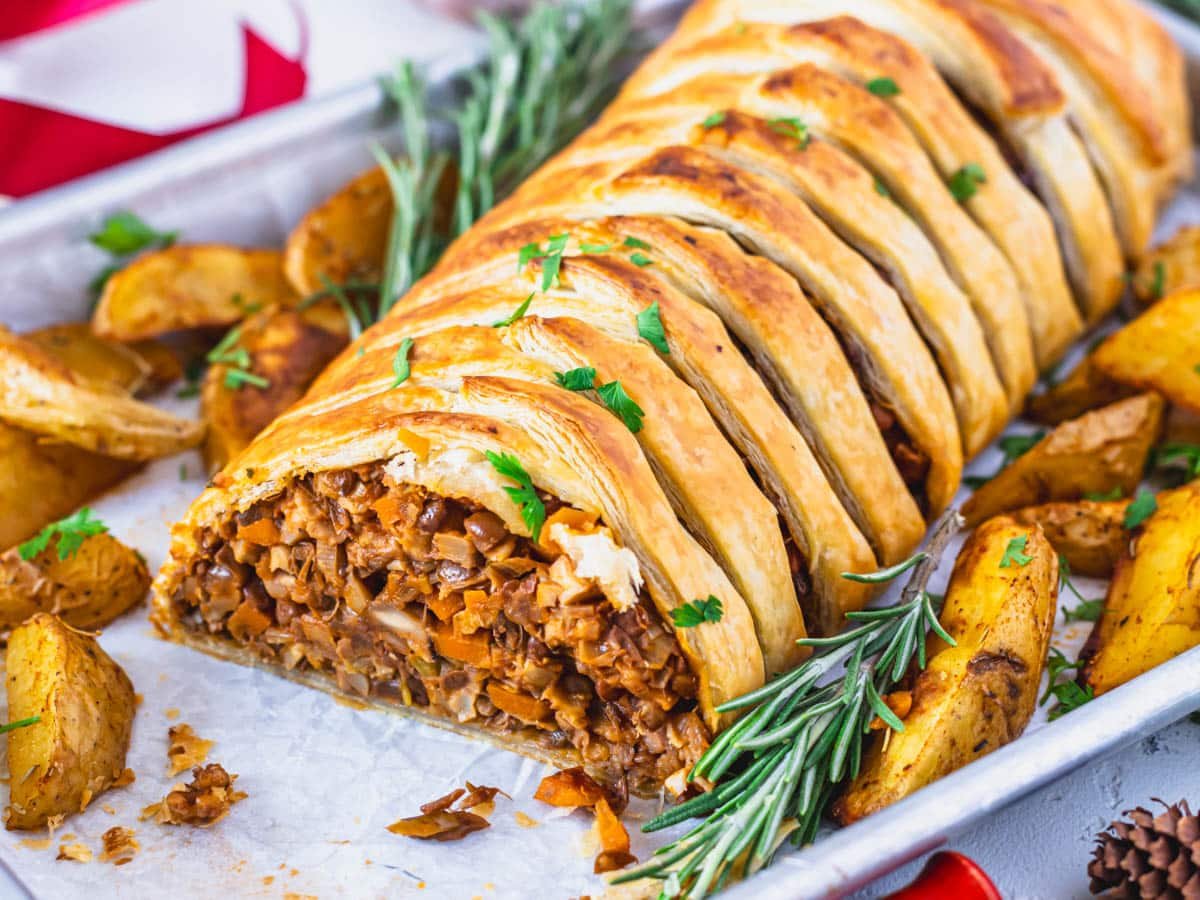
[(1158, 281), (650, 327), (400, 363), (965, 182), (1069, 694), (882, 189), (580, 379), (614, 397), (585, 247), (712, 120), (1014, 553), (237, 362), (790, 126), (1171, 454), (1087, 611), (635, 243), (192, 373), (1140, 509), (883, 87), (516, 313), (72, 532), (20, 723), (1100, 496), (533, 511), (551, 256), (236, 378), (1013, 446), (124, 233), (641, 260), (697, 612)]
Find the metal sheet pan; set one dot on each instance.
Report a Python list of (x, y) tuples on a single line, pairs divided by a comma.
[(281, 150)]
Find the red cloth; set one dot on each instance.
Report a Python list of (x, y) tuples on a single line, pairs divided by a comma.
[(44, 147)]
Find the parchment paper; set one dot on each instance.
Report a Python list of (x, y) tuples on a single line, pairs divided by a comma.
[(324, 780)]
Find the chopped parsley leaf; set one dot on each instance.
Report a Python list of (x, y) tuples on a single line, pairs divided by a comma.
[(697, 612), (1014, 553), (650, 327), (1140, 509), (533, 511), (72, 531), (517, 313), (883, 87), (400, 364), (964, 183), (614, 397), (580, 379)]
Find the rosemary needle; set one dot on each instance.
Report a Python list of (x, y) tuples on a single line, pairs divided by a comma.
[(544, 80), (777, 767)]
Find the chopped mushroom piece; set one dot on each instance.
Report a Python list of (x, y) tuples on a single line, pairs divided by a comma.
[(203, 802)]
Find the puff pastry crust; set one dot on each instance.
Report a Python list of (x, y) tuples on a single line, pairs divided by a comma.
[(737, 340)]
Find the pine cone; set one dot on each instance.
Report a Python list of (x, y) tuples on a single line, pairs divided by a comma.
[(1149, 856)]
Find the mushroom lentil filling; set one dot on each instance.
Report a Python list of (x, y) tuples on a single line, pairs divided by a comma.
[(429, 601)]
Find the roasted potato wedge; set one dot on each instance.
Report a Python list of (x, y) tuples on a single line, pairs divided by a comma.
[(189, 286), (1084, 389), (289, 348), (1089, 534), (344, 238), (1099, 451), (1152, 611), (42, 481), (43, 396), (979, 694), (139, 369), (88, 589), (1158, 351), (1173, 266), (85, 705)]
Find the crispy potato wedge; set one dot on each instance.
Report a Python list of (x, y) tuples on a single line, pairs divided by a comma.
[(1158, 351), (91, 587), (1095, 453), (140, 368), (41, 395), (1089, 534), (189, 286), (344, 238), (1170, 267), (289, 348), (1152, 611), (41, 481), (980, 694), (1084, 389), (85, 702)]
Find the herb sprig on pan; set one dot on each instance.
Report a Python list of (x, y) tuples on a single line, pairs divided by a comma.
[(121, 235), (71, 532), (776, 768), (544, 80)]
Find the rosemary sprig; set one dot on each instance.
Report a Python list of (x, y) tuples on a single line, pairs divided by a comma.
[(776, 768), (544, 80)]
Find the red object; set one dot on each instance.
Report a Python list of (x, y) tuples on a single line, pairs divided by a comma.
[(45, 147), (30, 16), (949, 876)]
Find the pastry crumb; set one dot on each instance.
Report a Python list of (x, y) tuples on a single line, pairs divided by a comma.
[(525, 821), (185, 749), (75, 852), (120, 845), (172, 713)]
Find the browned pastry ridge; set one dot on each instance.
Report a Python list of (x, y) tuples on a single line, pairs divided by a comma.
[(823, 248)]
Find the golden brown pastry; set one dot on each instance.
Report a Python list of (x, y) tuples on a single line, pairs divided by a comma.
[(600, 469)]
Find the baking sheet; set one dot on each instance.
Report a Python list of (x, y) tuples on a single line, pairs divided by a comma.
[(324, 780)]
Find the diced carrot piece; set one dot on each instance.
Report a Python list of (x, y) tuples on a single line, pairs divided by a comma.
[(414, 442), (263, 532), (472, 649), (613, 836), (570, 787), (389, 509), (444, 607), (524, 707)]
